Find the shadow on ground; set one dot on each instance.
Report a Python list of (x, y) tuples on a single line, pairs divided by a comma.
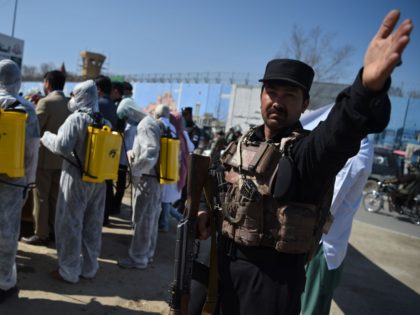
[(366, 289), (44, 306), (113, 291)]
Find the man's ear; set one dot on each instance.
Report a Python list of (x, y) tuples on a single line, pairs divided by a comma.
[(305, 105), (47, 84)]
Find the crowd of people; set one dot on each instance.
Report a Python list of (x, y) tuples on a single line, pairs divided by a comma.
[(279, 178), (70, 212)]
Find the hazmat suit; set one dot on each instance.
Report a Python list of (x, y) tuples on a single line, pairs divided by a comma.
[(147, 191), (80, 205), (12, 191)]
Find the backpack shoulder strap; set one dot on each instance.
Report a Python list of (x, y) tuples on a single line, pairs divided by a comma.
[(98, 119), (164, 130)]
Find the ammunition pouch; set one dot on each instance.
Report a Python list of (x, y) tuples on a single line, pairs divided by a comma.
[(256, 159), (243, 219), (297, 226), (259, 164)]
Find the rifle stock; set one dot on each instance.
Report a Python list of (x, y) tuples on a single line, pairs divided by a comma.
[(198, 166), (186, 231)]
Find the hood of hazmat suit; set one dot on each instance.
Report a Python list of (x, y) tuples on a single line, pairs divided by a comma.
[(127, 109), (85, 97)]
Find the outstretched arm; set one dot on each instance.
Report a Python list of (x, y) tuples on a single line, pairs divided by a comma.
[(385, 50)]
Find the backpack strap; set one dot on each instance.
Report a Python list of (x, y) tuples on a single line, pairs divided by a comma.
[(14, 104), (164, 130), (98, 119), (12, 107)]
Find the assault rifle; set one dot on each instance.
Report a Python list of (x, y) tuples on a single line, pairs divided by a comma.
[(214, 206), (186, 232)]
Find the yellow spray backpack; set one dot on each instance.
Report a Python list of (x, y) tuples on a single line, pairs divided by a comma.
[(168, 156), (169, 160), (12, 140), (102, 154)]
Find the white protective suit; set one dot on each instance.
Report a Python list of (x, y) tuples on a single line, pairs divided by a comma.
[(80, 205), (12, 197), (147, 190)]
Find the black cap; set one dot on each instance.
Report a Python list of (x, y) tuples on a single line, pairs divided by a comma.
[(187, 110), (127, 86), (289, 70)]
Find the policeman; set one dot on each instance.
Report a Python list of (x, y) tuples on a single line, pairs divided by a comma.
[(280, 177)]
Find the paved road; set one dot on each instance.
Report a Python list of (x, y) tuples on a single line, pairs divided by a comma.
[(389, 220), (380, 275)]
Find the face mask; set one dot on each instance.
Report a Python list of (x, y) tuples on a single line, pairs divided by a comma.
[(72, 105)]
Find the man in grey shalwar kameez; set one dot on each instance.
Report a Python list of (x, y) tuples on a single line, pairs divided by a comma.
[(147, 191), (12, 189), (80, 204)]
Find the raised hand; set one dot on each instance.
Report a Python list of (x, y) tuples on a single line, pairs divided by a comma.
[(385, 50)]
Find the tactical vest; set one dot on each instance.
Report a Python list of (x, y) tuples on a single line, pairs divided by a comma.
[(251, 214)]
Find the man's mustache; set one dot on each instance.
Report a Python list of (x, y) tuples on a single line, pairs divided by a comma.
[(277, 110)]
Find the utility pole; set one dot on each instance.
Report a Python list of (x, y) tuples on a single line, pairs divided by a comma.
[(14, 19), (405, 119), (179, 96)]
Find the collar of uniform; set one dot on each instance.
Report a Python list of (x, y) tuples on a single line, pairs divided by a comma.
[(257, 133), (56, 92)]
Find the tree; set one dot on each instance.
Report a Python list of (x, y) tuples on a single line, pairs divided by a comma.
[(36, 73), (414, 94), (45, 67), (316, 49), (396, 91), (29, 73)]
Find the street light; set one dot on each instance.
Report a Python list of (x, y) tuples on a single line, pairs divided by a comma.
[(14, 19)]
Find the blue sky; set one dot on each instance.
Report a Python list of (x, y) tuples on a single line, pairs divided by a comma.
[(140, 36)]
